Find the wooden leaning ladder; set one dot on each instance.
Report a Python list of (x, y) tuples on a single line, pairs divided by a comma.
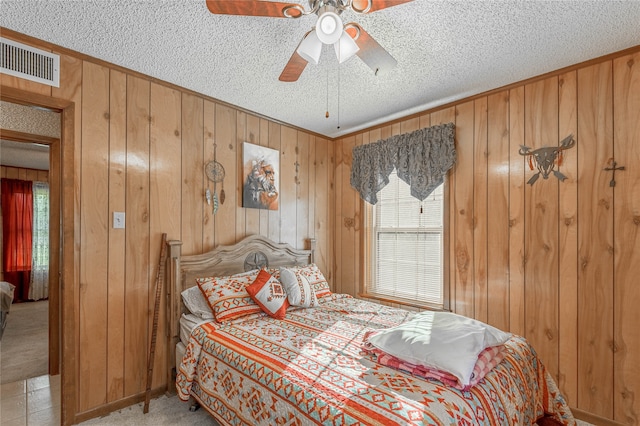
[(154, 330)]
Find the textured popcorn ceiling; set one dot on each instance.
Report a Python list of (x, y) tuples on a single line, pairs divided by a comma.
[(446, 50), (21, 118)]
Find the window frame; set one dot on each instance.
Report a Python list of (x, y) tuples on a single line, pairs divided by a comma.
[(368, 257)]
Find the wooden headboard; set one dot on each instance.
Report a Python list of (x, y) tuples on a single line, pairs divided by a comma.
[(250, 253)]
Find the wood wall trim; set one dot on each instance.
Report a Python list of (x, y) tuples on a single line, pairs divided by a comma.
[(22, 97), (171, 140), (129, 401), (517, 84), (26, 39), (16, 136), (401, 302), (555, 262), (23, 38), (593, 419), (154, 141)]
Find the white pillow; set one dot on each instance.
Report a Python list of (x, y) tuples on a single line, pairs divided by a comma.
[(196, 303), (298, 288), (440, 340)]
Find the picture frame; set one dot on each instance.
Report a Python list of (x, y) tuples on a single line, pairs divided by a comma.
[(261, 176)]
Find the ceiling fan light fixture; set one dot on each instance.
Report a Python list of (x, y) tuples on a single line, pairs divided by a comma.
[(346, 47), (329, 27), (310, 48)]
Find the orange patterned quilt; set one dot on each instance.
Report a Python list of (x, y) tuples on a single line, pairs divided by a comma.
[(309, 369)]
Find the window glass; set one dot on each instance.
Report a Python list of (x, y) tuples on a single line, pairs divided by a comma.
[(407, 244)]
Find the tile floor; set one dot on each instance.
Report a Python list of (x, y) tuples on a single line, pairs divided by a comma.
[(33, 401)]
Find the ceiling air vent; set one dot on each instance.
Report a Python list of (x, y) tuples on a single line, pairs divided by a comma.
[(27, 62)]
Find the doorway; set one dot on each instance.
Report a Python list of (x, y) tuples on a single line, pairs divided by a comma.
[(62, 322), (25, 166)]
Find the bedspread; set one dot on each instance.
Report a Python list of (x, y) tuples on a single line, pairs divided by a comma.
[(309, 369)]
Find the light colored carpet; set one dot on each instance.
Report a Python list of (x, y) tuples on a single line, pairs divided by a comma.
[(24, 348), (162, 411)]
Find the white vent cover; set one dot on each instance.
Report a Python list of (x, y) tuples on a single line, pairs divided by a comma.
[(27, 62)]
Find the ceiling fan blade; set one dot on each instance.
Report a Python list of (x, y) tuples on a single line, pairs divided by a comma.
[(371, 53), (273, 9), (294, 68), (361, 5)]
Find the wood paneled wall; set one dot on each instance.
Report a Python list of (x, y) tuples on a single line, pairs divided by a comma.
[(140, 148), (10, 172), (556, 262)]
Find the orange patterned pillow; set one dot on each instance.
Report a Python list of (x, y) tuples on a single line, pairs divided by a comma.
[(269, 294), (228, 297)]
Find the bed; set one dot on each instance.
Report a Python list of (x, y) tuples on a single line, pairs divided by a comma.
[(314, 366), (6, 298)]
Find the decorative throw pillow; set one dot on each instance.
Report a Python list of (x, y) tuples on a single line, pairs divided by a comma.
[(195, 302), (274, 272), (298, 288), (440, 340), (313, 275), (269, 294), (228, 297)]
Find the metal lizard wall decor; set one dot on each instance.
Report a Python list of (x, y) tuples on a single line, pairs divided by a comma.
[(546, 159)]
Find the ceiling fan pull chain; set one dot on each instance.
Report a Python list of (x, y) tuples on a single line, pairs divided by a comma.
[(327, 113), (338, 97)]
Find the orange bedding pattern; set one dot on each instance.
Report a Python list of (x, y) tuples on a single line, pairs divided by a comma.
[(309, 369)]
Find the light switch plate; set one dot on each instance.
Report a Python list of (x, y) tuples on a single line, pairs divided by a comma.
[(118, 220)]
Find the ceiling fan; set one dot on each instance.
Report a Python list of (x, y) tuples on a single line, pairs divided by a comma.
[(348, 39)]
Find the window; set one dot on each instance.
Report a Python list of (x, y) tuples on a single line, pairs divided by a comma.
[(406, 246), (39, 288)]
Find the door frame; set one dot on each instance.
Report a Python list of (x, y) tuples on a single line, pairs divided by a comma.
[(62, 291)]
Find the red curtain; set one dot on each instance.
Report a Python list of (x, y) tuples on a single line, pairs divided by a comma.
[(17, 227)]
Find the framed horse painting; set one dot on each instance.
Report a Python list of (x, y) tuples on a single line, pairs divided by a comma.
[(261, 167)]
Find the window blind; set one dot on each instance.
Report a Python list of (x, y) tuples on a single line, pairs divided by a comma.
[(407, 238)]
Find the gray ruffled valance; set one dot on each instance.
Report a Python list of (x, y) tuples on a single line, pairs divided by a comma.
[(421, 159)]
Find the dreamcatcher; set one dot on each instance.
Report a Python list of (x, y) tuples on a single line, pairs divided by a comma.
[(215, 174)]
